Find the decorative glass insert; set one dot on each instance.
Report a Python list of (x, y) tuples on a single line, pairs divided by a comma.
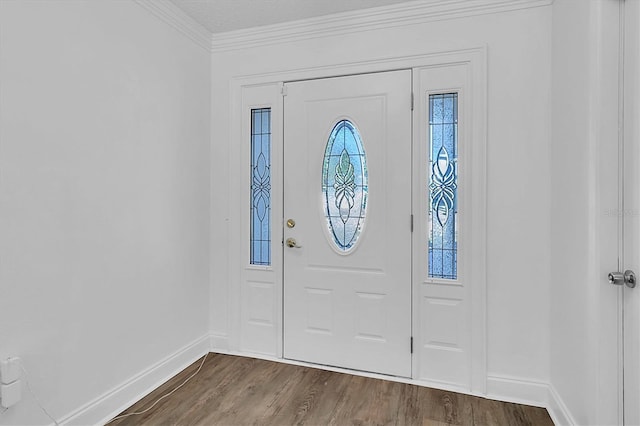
[(260, 233), (443, 186), (345, 185)]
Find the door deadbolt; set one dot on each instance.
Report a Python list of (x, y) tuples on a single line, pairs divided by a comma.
[(291, 223), (619, 278)]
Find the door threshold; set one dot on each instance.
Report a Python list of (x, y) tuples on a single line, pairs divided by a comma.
[(346, 370)]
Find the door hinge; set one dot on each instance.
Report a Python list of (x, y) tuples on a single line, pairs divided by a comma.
[(283, 89), (411, 344), (412, 102), (411, 223)]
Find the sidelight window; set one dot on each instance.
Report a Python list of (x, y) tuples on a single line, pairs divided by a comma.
[(260, 231), (443, 186)]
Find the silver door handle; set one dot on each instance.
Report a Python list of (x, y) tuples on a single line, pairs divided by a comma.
[(619, 278), (291, 242)]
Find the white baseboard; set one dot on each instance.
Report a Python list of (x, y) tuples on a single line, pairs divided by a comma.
[(529, 392), (109, 404), (518, 390), (558, 411)]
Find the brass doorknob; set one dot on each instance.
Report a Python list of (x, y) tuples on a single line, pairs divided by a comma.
[(291, 242)]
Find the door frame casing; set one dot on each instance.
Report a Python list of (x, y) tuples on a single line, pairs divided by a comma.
[(630, 108), (270, 85)]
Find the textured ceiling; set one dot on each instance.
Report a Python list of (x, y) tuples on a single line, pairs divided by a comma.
[(227, 15)]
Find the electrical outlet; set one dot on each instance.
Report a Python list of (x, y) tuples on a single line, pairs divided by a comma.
[(9, 370), (10, 394)]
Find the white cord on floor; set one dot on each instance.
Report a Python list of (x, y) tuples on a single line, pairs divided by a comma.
[(26, 381), (162, 397)]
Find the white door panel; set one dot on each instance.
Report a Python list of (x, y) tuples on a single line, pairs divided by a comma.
[(350, 310)]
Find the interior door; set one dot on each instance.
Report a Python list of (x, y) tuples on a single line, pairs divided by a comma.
[(347, 231), (631, 307)]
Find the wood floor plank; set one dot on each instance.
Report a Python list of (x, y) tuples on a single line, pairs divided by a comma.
[(233, 390)]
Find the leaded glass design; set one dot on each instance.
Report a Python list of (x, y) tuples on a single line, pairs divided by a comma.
[(443, 186), (260, 233), (345, 185)]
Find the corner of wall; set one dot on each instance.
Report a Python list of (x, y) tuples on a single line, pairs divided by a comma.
[(557, 409), (218, 343)]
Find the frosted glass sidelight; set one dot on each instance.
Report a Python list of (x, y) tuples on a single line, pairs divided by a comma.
[(344, 185), (443, 186), (260, 232)]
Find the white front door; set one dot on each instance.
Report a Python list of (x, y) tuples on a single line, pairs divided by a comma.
[(347, 211), (631, 307)]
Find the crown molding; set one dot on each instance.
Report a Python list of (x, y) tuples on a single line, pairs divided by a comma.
[(375, 18), (175, 17), (396, 15)]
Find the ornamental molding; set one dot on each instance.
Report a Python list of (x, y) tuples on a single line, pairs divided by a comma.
[(396, 15), (176, 18), (363, 20)]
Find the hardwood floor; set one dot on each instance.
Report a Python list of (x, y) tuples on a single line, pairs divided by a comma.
[(232, 390)]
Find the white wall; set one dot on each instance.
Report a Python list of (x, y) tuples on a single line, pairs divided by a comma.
[(584, 202), (518, 168), (104, 196), (106, 175)]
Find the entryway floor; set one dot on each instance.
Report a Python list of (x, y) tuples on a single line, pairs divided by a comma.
[(234, 390)]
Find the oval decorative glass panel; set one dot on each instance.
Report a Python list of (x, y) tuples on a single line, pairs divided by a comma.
[(345, 185)]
